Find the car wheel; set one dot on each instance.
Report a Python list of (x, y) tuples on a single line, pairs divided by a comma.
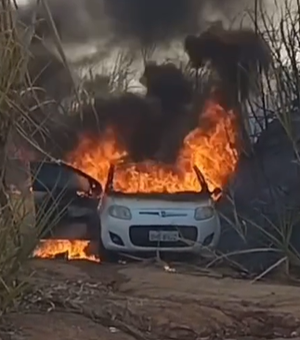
[(107, 255)]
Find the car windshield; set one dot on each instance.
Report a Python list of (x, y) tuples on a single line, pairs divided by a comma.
[(130, 179)]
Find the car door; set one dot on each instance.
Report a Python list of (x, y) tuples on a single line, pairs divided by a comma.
[(63, 194)]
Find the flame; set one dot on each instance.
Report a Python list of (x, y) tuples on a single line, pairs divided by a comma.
[(71, 249), (212, 147)]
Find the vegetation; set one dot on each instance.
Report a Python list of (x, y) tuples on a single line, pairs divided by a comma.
[(275, 223), (12, 81), (20, 228)]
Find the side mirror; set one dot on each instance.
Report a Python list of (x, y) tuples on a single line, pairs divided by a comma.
[(216, 193)]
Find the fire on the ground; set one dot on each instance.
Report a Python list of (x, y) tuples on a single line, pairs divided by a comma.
[(67, 249)]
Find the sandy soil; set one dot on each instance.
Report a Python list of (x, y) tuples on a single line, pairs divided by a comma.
[(76, 300)]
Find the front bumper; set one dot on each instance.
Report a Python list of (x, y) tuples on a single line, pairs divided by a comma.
[(126, 236)]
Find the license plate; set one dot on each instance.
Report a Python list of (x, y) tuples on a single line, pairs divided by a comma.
[(163, 236)]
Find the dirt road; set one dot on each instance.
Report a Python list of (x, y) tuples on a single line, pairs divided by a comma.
[(76, 300)]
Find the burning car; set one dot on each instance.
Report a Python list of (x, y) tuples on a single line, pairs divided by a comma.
[(119, 221), (147, 222)]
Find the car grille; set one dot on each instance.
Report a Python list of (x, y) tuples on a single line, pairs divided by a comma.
[(139, 235)]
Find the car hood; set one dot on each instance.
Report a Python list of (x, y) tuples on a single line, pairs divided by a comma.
[(148, 204)]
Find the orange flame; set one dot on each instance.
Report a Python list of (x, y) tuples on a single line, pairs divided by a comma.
[(71, 249), (213, 149)]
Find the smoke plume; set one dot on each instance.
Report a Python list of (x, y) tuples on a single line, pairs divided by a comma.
[(236, 55), (147, 127), (144, 21), (150, 127)]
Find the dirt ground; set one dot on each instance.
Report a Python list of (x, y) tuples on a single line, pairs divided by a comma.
[(84, 300)]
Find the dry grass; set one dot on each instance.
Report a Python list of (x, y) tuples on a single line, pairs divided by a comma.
[(279, 100), (20, 228), (283, 88), (12, 81)]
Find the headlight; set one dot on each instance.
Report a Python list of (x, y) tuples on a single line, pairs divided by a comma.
[(204, 213), (117, 211)]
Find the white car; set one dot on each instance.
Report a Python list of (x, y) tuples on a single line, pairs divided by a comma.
[(139, 222)]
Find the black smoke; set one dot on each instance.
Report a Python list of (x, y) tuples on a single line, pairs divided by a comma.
[(48, 74), (144, 21), (155, 20), (237, 56), (153, 127), (150, 127)]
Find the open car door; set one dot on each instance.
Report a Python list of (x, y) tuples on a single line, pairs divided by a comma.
[(64, 196)]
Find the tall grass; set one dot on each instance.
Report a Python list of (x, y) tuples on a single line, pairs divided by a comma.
[(20, 228), (283, 88), (279, 100), (15, 248)]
